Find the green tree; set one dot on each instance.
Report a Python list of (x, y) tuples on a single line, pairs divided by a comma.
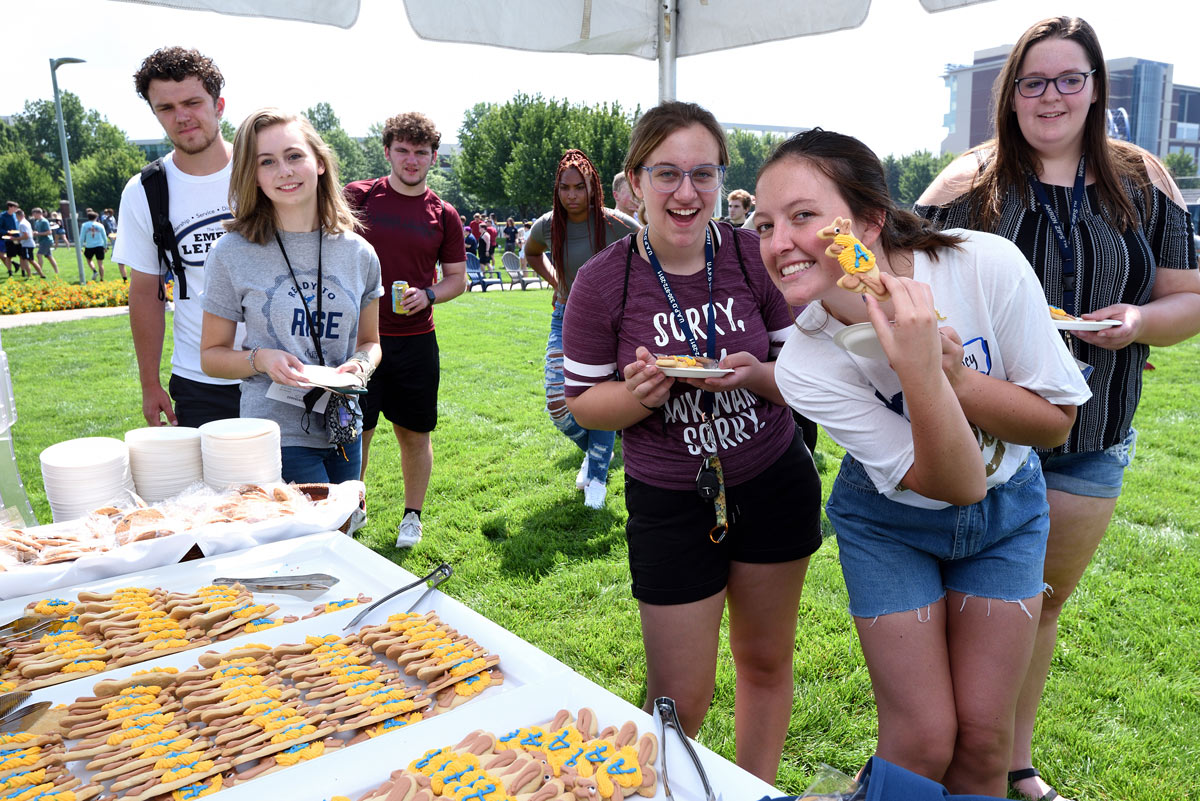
[(9, 141), (541, 138), (372, 149), (352, 163), (445, 183), (487, 137), (100, 177), (917, 171), (228, 132), (28, 183), (1180, 165), (602, 132), (747, 153), (37, 129)]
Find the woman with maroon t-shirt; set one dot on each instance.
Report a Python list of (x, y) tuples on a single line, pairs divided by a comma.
[(707, 460)]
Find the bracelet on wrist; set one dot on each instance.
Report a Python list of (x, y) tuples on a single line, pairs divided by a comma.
[(651, 408), (254, 352)]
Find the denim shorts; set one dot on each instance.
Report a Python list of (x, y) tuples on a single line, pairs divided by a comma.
[(1096, 474), (896, 558), (331, 465)]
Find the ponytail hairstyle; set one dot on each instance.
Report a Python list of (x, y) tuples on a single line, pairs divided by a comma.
[(858, 175), (253, 212), (558, 220)]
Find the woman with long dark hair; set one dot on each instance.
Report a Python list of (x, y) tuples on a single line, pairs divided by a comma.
[(940, 512), (709, 461), (307, 287), (1108, 235), (573, 231)]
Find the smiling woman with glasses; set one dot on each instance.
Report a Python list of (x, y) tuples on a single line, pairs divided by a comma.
[(706, 458), (1106, 231)]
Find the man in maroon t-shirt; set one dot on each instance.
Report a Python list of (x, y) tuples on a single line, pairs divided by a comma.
[(411, 229)]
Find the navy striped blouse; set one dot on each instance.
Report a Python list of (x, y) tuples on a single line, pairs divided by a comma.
[(1112, 267)]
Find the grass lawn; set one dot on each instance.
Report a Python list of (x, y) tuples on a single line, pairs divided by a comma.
[(1122, 712)]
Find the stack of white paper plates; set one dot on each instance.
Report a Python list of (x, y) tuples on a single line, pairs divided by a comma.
[(164, 460), (81, 475), (240, 450)]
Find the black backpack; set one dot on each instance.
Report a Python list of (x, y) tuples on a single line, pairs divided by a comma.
[(154, 183)]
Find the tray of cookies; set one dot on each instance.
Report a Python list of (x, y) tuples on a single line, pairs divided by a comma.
[(130, 535)]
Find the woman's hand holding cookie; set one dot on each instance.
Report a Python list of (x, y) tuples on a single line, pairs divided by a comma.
[(649, 386)]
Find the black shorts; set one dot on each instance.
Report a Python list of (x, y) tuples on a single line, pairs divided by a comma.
[(774, 517), (197, 403), (12, 248), (94, 253), (404, 388), (27, 252)]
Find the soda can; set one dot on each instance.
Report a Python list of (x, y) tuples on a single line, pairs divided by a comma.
[(398, 290)]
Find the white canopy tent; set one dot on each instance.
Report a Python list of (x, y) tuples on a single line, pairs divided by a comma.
[(651, 29)]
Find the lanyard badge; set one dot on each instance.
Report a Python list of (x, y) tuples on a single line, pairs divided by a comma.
[(710, 479)]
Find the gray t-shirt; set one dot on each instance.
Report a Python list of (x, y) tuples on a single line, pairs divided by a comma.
[(579, 241), (250, 283)]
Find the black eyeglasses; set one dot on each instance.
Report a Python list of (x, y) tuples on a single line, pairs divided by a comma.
[(668, 178), (1070, 83)]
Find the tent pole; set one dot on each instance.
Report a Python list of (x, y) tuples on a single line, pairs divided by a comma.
[(668, 30)]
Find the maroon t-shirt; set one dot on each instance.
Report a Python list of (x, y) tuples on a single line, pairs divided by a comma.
[(410, 236), (599, 339)]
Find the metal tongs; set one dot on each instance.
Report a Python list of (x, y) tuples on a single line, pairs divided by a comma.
[(305, 583), (437, 576), (665, 707), (27, 627)]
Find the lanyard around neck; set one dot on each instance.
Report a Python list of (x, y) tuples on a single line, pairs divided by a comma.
[(1062, 235), (314, 323), (684, 326)]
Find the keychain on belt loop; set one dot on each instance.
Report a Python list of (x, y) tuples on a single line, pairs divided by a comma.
[(710, 481)]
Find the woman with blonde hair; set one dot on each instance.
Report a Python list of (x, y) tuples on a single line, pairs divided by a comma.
[(307, 286), (1108, 235)]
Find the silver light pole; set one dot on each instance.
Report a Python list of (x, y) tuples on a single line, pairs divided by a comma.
[(55, 63)]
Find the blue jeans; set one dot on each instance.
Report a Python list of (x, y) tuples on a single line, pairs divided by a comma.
[(897, 557), (598, 445), (322, 465), (1095, 474)]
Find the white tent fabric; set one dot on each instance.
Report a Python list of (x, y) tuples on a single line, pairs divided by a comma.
[(342, 13), (631, 27)]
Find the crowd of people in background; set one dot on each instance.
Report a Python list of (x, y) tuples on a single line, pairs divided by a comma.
[(983, 456), (30, 240)]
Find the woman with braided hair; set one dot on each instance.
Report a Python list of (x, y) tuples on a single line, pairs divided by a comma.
[(576, 228)]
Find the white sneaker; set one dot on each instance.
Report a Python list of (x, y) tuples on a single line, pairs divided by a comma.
[(593, 494), (409, 533), (581, 478)]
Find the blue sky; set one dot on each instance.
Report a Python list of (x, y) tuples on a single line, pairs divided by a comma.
[(880, 82)]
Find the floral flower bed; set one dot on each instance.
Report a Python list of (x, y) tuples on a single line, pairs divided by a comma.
[(18, 296)]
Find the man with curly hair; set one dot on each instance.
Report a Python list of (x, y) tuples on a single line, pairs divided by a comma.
[(183, 88), (411, 229)]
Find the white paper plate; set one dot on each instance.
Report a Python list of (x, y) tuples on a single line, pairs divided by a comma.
[(1085, 325), (695, 372), (861, 340), (239, 428), (155, 435), (329, 377), (87, 452)]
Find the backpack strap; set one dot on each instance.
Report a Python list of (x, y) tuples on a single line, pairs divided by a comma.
[(154, 183)]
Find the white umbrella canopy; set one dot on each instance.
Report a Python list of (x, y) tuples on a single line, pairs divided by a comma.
[(661, 29), (631, 27), (342, 13)]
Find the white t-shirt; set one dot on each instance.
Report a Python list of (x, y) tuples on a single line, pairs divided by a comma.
[(26, 233), (990, 295), (199, 204)]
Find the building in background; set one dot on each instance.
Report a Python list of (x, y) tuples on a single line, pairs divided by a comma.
[(1145, 105)]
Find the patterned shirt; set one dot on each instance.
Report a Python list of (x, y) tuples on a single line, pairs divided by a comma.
[(1111, 267)]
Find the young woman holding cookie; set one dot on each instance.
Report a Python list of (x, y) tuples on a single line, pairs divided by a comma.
[(706, 460), (939, 509), (1109, 237), (306, 285)]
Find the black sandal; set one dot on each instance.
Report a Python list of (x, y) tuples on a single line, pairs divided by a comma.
[(1029, 773)]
